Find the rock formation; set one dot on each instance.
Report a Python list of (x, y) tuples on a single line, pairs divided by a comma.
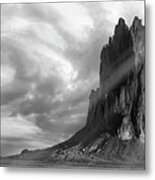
[(115, 129)]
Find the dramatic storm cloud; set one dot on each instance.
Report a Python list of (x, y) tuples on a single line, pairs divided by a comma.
[(50, 57)]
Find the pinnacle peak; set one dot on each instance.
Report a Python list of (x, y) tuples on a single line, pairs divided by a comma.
[(121, 21), (137, 23)]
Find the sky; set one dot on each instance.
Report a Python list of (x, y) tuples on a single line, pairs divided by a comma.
[(50, 55)]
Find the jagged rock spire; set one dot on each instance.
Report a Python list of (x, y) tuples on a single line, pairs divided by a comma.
[(138, 36), (119, 47)]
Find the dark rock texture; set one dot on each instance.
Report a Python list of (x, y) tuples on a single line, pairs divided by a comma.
[(114, 134), (119, 48)]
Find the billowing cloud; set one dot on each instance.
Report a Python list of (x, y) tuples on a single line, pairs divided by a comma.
[(7, 75), (75, 20), (50, 61)]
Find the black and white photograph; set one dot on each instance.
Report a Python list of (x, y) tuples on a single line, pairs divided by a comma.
[(73, 85)]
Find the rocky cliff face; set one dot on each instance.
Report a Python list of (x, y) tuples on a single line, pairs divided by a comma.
[(115, 128), (120, 96), (119, 48)]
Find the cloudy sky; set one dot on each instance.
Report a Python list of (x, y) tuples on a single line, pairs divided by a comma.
[(49, 64)]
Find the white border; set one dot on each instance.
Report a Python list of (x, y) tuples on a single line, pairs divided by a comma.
[(69, 174)]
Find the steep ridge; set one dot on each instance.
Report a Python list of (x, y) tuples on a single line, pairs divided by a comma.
[(114, 134), (121, 92)]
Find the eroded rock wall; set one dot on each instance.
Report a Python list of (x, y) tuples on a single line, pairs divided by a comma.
[(120, 110)]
